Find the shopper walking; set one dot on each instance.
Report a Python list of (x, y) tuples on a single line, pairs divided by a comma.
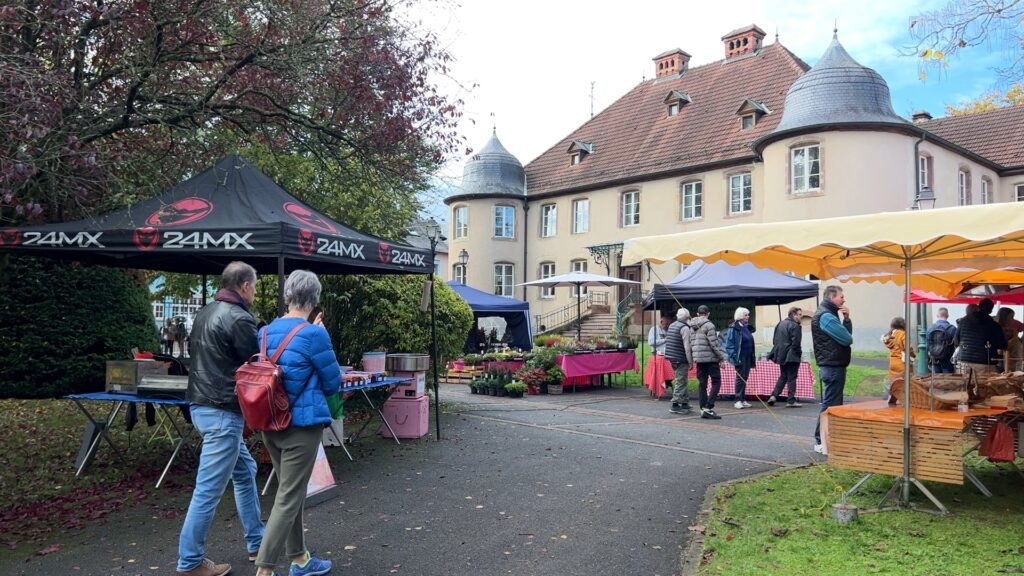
[(708, 354), (659, 375), (980, 339), (787, 352), (941, 339), (677, 352), (311, 374), (223, 337), (739, 347), (895, 340)]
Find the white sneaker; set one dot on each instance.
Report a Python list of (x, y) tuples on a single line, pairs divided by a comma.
[(746, 404), (820, 449), (738, 406)]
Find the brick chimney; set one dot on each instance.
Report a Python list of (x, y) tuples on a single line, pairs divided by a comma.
[(671, 63), (743, 41)]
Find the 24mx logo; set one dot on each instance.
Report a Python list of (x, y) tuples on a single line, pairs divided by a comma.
[(390, 255), (339, 248), (204, 240), (60, 239)]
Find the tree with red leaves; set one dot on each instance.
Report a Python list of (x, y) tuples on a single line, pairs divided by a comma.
[(104, 102)]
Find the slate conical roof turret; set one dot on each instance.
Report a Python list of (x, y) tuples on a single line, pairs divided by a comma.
[(836, 91), (493, 171)]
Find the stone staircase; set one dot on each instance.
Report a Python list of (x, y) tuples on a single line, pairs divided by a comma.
[(594, 325)]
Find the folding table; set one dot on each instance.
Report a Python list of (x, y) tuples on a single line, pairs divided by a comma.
[(119, 399)]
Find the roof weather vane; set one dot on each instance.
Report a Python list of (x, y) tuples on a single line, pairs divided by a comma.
[(494, 124)]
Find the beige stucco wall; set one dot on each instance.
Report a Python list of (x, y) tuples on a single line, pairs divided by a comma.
[(862, 172), (484, 250)]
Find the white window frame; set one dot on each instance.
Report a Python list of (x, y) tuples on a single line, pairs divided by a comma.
[(548, 220), (673, 108), (745, 191), (986, 191), (693, 190), (575, 158), (578, 266), (459, 273), (744, 118), (505, 225), (461, 218), (504, 277), (547, 270), (801, 183), (923, 169), (580, 224), (963, 188), (630, 217), (1018, 192)]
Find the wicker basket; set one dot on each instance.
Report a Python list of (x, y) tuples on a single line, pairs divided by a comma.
[(920, 396)]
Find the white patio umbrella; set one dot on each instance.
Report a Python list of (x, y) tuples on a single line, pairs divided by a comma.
[(578, 279)]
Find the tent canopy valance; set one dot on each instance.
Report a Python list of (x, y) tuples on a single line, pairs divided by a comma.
[(950, 247), (516, 314), (231, 211), (719, 281)]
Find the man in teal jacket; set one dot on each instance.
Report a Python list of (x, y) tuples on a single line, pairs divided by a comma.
[(832, 350)]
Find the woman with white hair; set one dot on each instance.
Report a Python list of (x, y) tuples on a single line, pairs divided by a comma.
[(311, 373), (739, 347), (678, 352)]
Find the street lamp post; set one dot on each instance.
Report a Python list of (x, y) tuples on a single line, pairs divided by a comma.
[(924, 200), (434, 235), (463, 261)]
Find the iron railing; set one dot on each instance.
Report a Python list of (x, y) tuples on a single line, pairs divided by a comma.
[(564, 316)]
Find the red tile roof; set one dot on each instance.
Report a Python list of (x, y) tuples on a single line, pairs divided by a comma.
[(634, 138), (997, 135)]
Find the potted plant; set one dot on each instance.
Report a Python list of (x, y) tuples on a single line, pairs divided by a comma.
[(472, 386), (515, 389), (458, 364), (472, 360), (532, 378), (555, 378)]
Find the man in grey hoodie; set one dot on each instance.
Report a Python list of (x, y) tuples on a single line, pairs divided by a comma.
[(708, 354)]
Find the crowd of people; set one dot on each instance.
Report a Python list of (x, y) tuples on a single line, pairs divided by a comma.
[(686, 341)]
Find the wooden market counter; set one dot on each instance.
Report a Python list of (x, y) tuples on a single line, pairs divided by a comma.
[(868, 437)]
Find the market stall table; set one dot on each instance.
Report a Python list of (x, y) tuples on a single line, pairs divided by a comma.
[(868, 437), (762, 379), (580, 368), (119, 400)]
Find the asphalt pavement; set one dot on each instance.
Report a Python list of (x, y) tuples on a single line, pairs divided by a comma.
[(600, 482)]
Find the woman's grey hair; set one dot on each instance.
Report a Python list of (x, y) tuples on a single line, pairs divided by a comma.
[(235, 274), (302, 289), (740, 313), (682, 314)]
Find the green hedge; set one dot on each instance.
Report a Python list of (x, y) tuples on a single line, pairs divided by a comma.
[(364, 313), (60, 322)]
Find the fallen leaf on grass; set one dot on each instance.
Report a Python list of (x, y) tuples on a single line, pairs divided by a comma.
[(48, 550), (780, 532), (729, 537), (697, 528)]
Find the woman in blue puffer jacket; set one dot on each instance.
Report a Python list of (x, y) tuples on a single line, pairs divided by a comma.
[(311, 373)]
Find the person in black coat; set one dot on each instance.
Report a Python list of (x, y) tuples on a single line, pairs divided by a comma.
[(786, 352)]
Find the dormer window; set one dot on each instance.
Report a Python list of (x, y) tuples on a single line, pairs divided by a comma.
[(675, 101), (578, 151), (750, 111)]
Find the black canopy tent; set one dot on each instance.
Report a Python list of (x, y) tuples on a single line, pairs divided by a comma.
[(706, 283), (231, 211)]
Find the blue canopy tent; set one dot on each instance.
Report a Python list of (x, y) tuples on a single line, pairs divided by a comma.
[(516, 314), (720, 281)]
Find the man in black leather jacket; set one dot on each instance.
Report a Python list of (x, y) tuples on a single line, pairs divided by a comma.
[(980, 339), (223, 337)]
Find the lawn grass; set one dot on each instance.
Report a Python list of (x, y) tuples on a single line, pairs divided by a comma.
[(780, 524), (871, 354)]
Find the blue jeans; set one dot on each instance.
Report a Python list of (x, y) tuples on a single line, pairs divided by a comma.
[(834, 380), (942, 366), (224, 457)]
